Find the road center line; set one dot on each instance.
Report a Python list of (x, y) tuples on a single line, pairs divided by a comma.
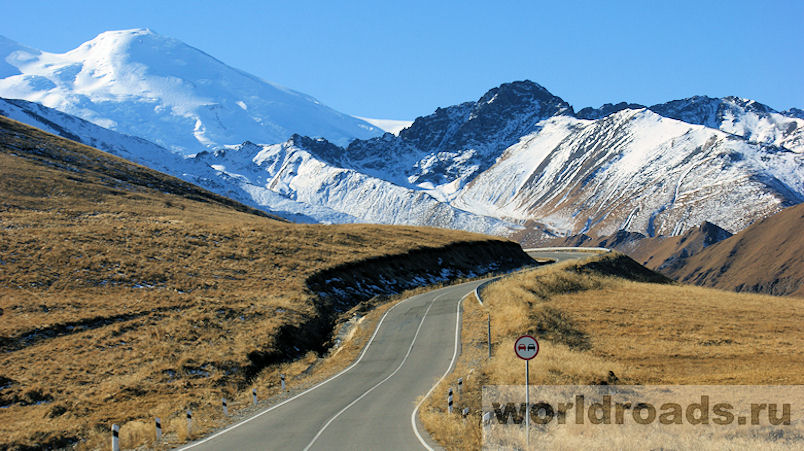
[(410, 348)]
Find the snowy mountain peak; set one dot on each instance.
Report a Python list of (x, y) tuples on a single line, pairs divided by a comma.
[(141, 83)]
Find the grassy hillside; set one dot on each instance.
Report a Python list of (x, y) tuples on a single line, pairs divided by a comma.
[(600, 321), (127, 294)]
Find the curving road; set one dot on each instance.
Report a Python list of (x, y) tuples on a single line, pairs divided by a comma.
[(372, 403)]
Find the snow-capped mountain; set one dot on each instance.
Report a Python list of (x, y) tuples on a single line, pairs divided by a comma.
[(637, 171), (605, 110), (441, 152), (142, 84)]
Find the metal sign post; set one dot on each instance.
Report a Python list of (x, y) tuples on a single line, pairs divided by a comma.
[(526, 348)]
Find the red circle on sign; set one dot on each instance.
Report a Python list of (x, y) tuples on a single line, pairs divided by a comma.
[(526, 347)]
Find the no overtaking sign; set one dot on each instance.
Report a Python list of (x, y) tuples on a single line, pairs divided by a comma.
[(526, 347)]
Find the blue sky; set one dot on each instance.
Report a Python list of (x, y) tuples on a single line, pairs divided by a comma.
[(399, 60)]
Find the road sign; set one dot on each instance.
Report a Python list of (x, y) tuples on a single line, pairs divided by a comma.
[(526, 347)]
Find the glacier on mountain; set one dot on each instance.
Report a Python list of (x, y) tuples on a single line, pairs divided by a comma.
[(140, 83)]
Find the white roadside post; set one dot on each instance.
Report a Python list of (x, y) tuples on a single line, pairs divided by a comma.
[(526, 348), (282, 378), (115, 437), (158, 429), (254, 395), (225, 407), (449, 400), (189, 422), (460, 388)]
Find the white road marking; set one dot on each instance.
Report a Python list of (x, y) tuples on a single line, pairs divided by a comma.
[(401, 364)]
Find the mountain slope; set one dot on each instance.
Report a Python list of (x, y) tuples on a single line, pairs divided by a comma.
[(27, 150), (304, 170), (767, 257), (637, 171), (160, 89), (391, 126)]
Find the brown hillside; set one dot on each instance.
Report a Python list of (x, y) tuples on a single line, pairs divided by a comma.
[(127, 294), (667, 254), (767, 257)]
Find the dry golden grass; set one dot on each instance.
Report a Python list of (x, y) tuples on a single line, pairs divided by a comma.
[(595, 328), (126, 294)]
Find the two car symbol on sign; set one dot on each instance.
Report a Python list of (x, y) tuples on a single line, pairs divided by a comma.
[(526, 347)]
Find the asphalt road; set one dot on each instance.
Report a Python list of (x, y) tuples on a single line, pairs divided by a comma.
[(371, 404)]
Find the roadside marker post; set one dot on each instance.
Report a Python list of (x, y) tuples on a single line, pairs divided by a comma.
[(254, 395), (526, 348), (489, 335), (465, 412), (189, 422), (449, 400), (460, 388), (225, 407), (158, 429), (282, 378), (115, 437)]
